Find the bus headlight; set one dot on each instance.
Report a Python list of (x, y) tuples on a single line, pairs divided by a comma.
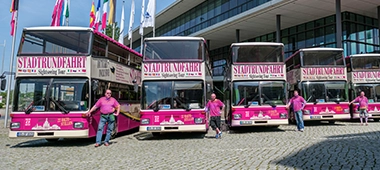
[(237, 116), (283, 115), (144, 121), (346, 110), (306, 112), (198, 120), (15, 125), (78, 125)]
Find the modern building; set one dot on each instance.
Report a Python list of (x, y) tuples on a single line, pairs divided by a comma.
[(350, 24)]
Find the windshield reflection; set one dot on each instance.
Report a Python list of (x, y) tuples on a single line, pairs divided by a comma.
[(325, 92), (259, 93)]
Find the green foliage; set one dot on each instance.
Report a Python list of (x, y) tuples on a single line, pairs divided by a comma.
[(109, 31)]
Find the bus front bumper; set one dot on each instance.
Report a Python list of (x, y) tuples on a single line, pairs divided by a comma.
[(177, 128), (326, 117), (49, 134), (370, 115), (259, 122)]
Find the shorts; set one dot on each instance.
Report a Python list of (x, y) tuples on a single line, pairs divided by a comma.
[(215, 122), (363, 112)]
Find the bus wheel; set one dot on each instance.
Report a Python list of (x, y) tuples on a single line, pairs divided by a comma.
[(331, 122), (376, 120)]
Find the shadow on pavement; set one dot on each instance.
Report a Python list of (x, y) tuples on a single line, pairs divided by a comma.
[(169, 136), (250, 129), (55, 143), (351, 151)]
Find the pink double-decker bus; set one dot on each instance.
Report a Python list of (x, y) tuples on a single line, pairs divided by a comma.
[(176, 83), (61, 72), (257, 85), (321, 76), (364, 75)]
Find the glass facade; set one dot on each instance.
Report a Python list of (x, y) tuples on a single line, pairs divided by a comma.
[(360, 35), (202, 16)]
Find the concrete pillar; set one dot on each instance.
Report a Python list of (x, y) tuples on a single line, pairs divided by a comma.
[(208, 44), (237, 35), (338, 16), (278, 28)]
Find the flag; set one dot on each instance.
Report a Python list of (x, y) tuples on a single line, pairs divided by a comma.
[(111, 17), (104, 17), (142, 18), (97, 19), (92, 14), (56, 17), (13, 10), (122, 25), (131, 20), (149, 15), (65, 11)]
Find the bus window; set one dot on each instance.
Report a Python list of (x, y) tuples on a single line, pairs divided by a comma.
[(314, 92)]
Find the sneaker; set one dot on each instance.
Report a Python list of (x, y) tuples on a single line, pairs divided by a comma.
[(220, 134), (301, 130), (217, 136)]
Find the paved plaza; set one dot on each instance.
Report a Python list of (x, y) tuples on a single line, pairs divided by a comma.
[(345, 145)]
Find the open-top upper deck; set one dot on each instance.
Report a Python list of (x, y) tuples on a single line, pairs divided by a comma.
[(364, 68)]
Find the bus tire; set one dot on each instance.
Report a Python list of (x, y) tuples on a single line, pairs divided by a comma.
[(331, 122)]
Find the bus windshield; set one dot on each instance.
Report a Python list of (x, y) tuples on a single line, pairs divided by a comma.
[(372, 91), (173, 50), (361, 63), (173, 95), (257, 53), (325, 91), (322, 57), (55, 43), (248, 93), (51, 94)]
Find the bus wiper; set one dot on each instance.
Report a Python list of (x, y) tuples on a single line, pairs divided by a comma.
[(60, 106)]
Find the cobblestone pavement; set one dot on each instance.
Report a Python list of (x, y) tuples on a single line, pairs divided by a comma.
[(346, 145)]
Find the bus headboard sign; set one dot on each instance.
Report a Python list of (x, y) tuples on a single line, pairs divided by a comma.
[(323, 73), (365, 76), (259, 72), (48, 65), (170, 70)]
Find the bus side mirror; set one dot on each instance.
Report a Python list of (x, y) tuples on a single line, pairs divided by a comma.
[(136, 88), (3, 84), (134, 81), (208, 88), (95, 85), (228, 79)]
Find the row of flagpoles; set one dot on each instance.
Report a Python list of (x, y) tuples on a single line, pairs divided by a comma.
[(147, 17)]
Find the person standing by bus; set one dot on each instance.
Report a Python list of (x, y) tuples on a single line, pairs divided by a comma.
[(298, 103), (363, 106), (213, 108), (108, 106)]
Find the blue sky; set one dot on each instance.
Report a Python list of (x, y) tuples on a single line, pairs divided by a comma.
[(38, 13)]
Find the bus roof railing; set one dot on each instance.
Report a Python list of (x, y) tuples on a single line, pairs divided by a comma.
[(174, 38), (363, 55), (321, 49), (70, 28), (256, 43)]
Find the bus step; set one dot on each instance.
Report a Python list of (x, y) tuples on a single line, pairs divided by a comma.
[(257, 122), (45, 134), (169, 128)]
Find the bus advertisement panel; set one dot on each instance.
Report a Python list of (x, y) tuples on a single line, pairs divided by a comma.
[(175, 86), (258, 85), (57, 83), (322, 78), (364, 76)]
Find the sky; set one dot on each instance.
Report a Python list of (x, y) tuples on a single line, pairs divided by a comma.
[(38, 13)]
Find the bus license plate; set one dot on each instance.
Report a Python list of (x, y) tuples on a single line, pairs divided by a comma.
[(25, 134), (246, 122), (315, 117), (153, 128)]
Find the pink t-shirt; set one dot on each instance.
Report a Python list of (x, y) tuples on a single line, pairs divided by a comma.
[(214, 107), (363, 102), (107, 105), (297, 102)]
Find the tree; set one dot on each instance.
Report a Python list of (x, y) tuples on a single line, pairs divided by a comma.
[(109, 31)]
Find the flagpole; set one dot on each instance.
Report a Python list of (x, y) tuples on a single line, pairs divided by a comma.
[(11, 71), (141, 43), (113, 30)]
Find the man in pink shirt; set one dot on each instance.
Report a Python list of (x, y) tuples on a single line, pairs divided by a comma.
[(298, 103), (108, 106), (213, 108), (363, 106)]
